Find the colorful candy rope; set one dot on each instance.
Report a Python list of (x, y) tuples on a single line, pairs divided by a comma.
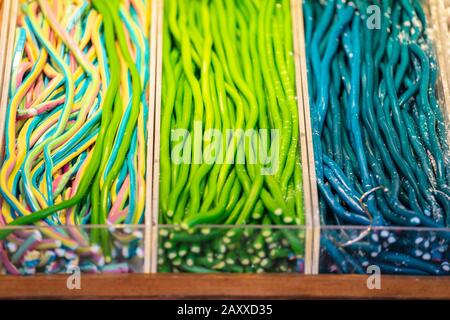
[(76, 120)]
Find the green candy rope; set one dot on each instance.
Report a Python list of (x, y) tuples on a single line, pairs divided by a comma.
[(237, 65), (110, 97)]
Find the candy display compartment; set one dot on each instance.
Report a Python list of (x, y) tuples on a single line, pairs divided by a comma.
[(235, 249), (439, 14), (224, 77), (372, 107), (378, 97), (75, 126)]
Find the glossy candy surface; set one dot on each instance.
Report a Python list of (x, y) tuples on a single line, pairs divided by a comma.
[(380, 137), (228, 66), (75, 131)]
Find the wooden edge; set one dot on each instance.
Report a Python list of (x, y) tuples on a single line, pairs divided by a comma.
[(150, 139), (445, 27), (12, 13), (296, 26), (437, 18), (5, 14), (314, 204), (157, 128), (440, 23), (229, 286)]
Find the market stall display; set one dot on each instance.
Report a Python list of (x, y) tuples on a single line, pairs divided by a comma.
[(205, 136)]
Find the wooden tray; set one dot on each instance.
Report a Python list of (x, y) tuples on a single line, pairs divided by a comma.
[(224, 286)]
